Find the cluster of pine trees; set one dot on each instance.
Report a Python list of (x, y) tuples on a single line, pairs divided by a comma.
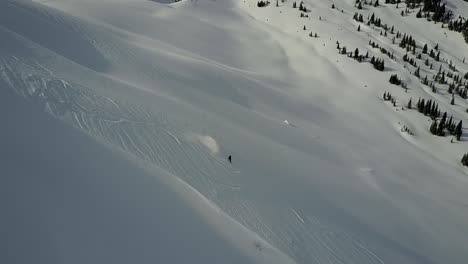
[(382, 49), (374, 21), (302, 7), (428, 108), (407, 42), (392, 1), (358, 4), (262, 3), (436, 11), (388, 97), (386, 52), (411, 61), (358, 17), (458, 84), (394, 80), (459, 25), (439, 128), (435, 56), (379, 64), (313, 35), (410, 44), (440, 76), (373, 44), (460, 90)]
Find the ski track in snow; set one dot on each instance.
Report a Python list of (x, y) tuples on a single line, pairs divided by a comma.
[(298, 216)]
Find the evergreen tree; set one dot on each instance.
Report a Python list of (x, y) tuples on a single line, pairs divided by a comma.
[(359, 28), (425, 81), (433, 88), (422, 106), (424, 51), (416, 73), (419, 14), (427, 107), (450, 125), (440, 129), (409, 104), (433, 127), (458, 130), (464, 160)]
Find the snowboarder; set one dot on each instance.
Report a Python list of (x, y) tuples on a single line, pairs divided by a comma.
[(230, 159)]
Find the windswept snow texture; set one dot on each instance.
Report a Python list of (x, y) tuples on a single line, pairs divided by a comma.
[(157, 96)]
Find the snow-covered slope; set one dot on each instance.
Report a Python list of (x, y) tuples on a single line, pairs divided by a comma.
[(159, 95), (67, 199)]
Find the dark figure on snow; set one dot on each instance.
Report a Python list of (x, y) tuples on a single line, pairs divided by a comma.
[(230, 159)]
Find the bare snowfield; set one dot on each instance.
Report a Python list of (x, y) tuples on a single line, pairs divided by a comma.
[(120, 116)]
